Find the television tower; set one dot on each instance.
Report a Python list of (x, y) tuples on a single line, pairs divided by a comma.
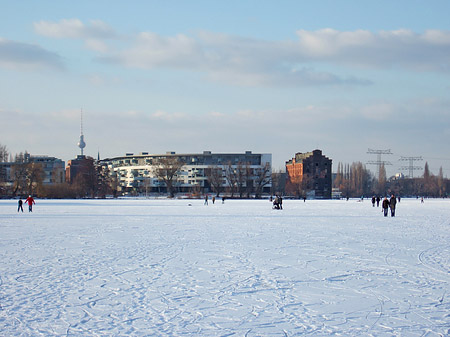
[(81, 144)]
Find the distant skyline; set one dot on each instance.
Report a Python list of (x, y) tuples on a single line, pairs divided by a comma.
[(274, 77)]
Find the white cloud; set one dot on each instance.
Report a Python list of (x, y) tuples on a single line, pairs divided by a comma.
[(94, 33), (216, 114), (66, 114), (151, 50), (96, 45), (96, 79), (237, 61), (256, 62), (17, 55), (100, 79), (402, 48), (168, 116), (380, 111), (132, 113), (74, 29)]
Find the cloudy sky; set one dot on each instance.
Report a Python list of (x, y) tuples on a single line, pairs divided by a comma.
[(274, 77)]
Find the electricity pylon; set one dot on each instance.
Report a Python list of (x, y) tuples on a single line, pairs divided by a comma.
[(411, 166), (379, 162)]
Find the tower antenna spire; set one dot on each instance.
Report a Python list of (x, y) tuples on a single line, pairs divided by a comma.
[(81, 142), (81, 121)]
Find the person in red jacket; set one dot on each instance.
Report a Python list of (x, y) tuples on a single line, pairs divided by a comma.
[(30, 202)]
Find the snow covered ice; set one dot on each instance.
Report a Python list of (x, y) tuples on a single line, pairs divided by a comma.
[(167, 268)]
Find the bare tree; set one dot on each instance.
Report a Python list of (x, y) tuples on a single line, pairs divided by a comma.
[(214, 175), (18, 174), (241, 176), (361, 180), (3, 158), (166, 170), (279, 182), (441, 183), (381, 180), (263, 177), (249, 179), (27, 176), (3, 154), (299, 185), (231, 178), (34, 176), (104, 181)]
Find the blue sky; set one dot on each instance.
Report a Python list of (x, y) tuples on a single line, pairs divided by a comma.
[(275, 77)]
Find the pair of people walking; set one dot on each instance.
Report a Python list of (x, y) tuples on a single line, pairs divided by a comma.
[(377, 200), (389, 204), (30, 201)]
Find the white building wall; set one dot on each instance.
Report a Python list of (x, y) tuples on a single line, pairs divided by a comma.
[(130, 174)]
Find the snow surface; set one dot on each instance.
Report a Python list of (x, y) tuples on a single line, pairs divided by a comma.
[(168, 268)]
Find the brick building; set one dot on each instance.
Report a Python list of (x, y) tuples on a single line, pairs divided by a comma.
[(83, 166), (309, 174)]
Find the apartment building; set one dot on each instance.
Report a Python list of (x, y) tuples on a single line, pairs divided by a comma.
[(137, 172)]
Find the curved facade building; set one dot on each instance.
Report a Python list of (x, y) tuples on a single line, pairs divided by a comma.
[(138, 173)]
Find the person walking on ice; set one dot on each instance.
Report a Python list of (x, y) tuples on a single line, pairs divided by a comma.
[(20, 208), (30, 202), (385, 206), (392, 204)]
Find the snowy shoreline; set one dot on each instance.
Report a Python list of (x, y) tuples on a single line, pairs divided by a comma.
[(178, 267)]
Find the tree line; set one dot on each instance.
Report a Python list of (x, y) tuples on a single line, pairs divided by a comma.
[(356, 180)]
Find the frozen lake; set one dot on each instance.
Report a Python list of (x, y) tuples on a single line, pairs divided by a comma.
[(167, 268)]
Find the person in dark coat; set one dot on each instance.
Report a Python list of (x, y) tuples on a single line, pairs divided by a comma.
[(378, 201), (392, 203), (276, 203), (20, 208), (385, 206)]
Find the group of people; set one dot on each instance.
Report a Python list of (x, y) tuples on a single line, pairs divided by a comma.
[(213, 200), (377, 200), (277, 202), (386, 204), (30, 201)]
